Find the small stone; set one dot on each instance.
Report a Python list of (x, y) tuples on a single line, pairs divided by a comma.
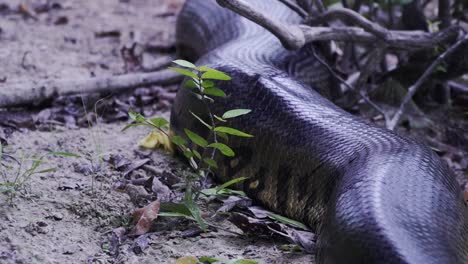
[(57, 216), (71, 249), (41, 224)]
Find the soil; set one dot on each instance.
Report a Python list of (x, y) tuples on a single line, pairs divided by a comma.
[(70, 215)]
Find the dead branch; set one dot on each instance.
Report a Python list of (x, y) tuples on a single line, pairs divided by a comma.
[(351, 16), (305, 5), (444, 15), (391, 124), (374, 58), (22, 93), (320, 6), (296, 36), (290, 36), (349, 86), (293, 6)]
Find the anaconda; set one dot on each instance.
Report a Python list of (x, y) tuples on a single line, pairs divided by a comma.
[(371, 195)]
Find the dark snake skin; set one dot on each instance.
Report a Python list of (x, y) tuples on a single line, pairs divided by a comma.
[(371, 195)]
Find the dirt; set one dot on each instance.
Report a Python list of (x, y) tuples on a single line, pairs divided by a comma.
[(71, 215)]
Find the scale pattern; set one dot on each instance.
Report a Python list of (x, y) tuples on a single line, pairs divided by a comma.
[(371, 195)]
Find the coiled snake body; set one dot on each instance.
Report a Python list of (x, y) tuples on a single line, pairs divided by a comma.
[(371, 195)]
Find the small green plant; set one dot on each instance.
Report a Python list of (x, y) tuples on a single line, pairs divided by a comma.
[(201, 82), (16, 176)]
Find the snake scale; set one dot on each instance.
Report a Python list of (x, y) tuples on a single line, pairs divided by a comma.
[(371, 195)]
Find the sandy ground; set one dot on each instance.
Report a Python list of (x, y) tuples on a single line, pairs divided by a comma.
[(68, 216)]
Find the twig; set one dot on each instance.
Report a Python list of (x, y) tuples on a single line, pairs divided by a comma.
[(373, 59), (351, 88), (353, 17), (320, 6), (293, 6), (444, 13), (414, 88), (305, 4), (22, 93), (296, 36), (290, 36)]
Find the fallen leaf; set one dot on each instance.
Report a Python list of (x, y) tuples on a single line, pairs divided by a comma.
[(259, 212), (187, 260), (160, 189), (116, 239), (135, 165), (157, 140), (140, 244), (144, 218), (465, 196), (137, 194), (265, 227), (234, 201)]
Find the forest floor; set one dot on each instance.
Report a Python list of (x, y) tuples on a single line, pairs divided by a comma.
[(70, 215), (74, 214)]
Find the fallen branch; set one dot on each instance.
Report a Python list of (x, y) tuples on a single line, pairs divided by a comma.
[(290, 36), (351, 88), (353, 17), (293, 6), (391, 124), (22, 93), (296, 36), (305, 5)]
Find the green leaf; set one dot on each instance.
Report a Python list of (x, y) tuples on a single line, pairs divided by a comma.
[(195, 138), (219, 118), (191, 84), (204, 68), (208, 260), (65, 154), (287, 221), (188, 154), (222, 135), (133, 125), (207, 84), (184, 72), (175, 208), (232, 131), (136, 116), (201, 121), (193, 207), (242, 261), (225, 191), (235, 113), (227, 151), (214, 92), (184, 63), (213, 74), (211, 162), (196, 153), (159, 122), (132, 115), (231, 182), (164, 214), (178, 140)]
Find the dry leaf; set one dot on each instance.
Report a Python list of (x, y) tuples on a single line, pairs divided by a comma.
[(187, 260), (144, 217), (156, 140)]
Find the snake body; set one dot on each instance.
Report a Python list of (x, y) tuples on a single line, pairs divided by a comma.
[(371, 195)]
